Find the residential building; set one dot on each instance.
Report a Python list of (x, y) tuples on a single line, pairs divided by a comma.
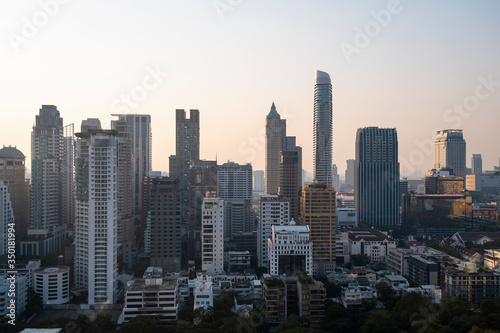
[(203, 292), (259, 181), (96, 229), (202, 181), (317, 210), (335, 178), (349, 172), (370, 242), (290, 249), (322, 129), (238, 261), (422, 271), (397, 260), (6, 219), (273, 210), (234, 181), (13, 175), (377, 176), (288, 187), (469, 285), (449, 151), (52, 284), (6, 296), (212, 235), (67, 177)]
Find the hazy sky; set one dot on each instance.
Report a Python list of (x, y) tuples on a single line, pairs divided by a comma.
[(418, 66)]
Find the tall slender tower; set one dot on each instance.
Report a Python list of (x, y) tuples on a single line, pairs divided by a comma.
[(139, 126), (377, 176), (212, 236), (275, 140), (476, 164), (47, 149), (449, 151), (6, 218), (322, 129), (68, 177), (96, 230)]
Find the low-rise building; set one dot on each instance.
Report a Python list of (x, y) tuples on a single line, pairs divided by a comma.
[(19, 284), (370, 242), (52, 284), (203, 292), (422, 271)]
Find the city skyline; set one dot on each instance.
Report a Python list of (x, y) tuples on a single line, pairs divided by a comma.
[(413, 77)]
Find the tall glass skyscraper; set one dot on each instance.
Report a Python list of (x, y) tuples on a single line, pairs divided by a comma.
[(376, 176), (322, 129)]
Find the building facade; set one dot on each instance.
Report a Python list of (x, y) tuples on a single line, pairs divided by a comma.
[(52, 284), (275, 141), (212, 235), (6, 218), (377, 176), (290, 250), (449, 151), (289, 175), (322, 129), (202, 181)]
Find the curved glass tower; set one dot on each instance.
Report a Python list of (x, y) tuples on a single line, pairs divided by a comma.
[(322, 129)]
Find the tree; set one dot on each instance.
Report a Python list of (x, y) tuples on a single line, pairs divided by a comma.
[(379, 321), (104, 323), (412, 306), (360, 259), (386, 295), (139, 324)]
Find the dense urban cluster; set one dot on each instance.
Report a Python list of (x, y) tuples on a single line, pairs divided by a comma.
[(104, 243)]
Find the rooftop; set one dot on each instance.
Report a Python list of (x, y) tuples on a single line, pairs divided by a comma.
[(10, 152), (140, 284)]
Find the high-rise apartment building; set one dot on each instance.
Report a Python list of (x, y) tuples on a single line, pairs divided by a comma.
[(139, 126), (322, 129), (317, 210), (449, 151), (377, 176), (335, 178), (13, 175), (166, 209), (68, 176), (273, 210), (275, 140), (96, 230), (202, 180), (47, 229), (259, 181), (212, 236), (6, 218), (288, 181), (476, 164), (234, 181)]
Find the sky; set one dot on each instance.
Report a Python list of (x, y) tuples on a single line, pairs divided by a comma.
[(417, 66)]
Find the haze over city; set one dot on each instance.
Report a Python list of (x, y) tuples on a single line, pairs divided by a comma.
[(231, 60)]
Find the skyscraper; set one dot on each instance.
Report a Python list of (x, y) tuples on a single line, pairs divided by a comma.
[(335, 178), (349, 172), (139, 126), (96, 230), (317, 210), (212, 237), (288, 181), (449, 151), (377, 176), (275, 140), (47, 229), (6, 218), (477, 164), (68, 176), (259, 181), (322, 129), (202, 180), (13, 174)]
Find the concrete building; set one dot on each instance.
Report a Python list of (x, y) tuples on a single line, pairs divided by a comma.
[(21, 286), (153, 296), (476, 164), (6, 219), (139, 126), (166, 217), (349, 172), (234, 181), (273, 210), (370, 242), (397, 260), (47, 229), (289, 175), (317, 210), (96, 225), (443, 183), (68, 177), (259, 181), (212, 235), (346, 218), (290, 249), (275, 140), (202, 181), (13, 175), (203, 292), (52, 284), (422, 271), (323, 129), (377, 176), (335, 177), (449, 151), (238, 261)]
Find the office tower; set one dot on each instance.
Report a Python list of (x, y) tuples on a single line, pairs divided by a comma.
[(13, 175), (273, 210), (291, 145), (139, 126), (202, 180), (47, 230), (317, 210), (234, 186), (258, 181), (403, 189), (335, 178), (275, 140), (68, 176), (477, 164), (322, 129), (6, 218), (349, 172), (377, 176), (96, 238), (166, 209), (212, 237), (449, 151), (187, 149), (288, 181), (290, 250)]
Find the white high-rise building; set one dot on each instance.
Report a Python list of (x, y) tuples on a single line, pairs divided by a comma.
[(349, 172), (449, 151), (96, 261), (290, 249), (234, 181), (6, 217), (212, 235), (68, 177), (476, 164), (273, 210)]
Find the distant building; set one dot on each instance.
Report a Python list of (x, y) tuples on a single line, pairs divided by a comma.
[(202, 181), (349, 172), (234, 181), (238, 261), (6, 218), (422, 271), (212, 235), (346, 218), (370, 242), (449, 151), (203, 292), (476, 164), (288, 187), (258, 181), (275, 140), (290, 249), (443, 183)]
